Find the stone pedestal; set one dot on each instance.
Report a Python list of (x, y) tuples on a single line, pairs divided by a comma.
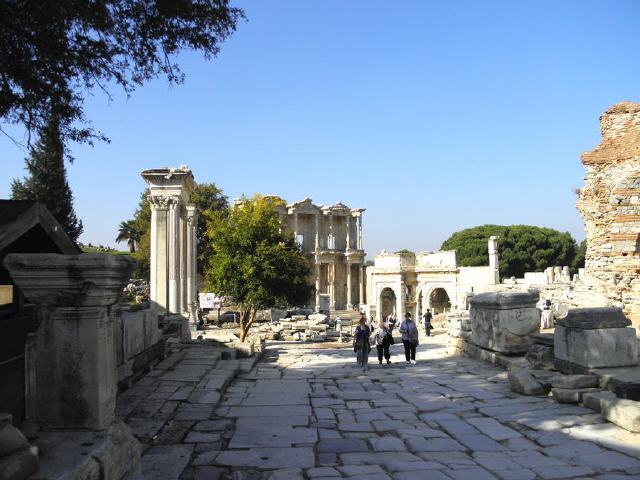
[(594, 338), (75, 354), (503, 321)]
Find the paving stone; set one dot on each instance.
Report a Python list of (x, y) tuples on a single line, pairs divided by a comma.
[(269, 411), (286, 474), (606, 460), (420, 475), (256, 434), (353, 470), (165, 461), (433, 445), (550, 473), (268, 458), (476, 473), (322, 472), (387, 444), (199, 437), (342, 445), (494, 429), (571, 449)]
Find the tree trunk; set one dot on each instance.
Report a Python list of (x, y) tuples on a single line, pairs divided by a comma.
[(247, 317)]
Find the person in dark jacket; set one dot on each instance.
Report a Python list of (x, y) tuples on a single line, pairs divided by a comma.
[(427, 322), (361, 343)]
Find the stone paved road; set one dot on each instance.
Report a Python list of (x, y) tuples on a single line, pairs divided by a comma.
[(311, 413)]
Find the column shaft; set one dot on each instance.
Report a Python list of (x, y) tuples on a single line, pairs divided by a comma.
[(153, 265), (361, 284), (348, 220), (174, 258), (349, 299)]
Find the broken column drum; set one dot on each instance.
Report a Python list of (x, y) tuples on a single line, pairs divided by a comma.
[(503, 321), (75, 354), (594, 338)]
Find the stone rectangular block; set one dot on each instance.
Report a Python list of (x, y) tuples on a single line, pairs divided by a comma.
[(503, 321), (595, 348)]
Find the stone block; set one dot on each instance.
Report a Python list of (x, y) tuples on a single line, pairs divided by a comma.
[(540, 356), (570, 395), (594, 348), (574, 381), (624, 413), (503, 321), (523, 382)]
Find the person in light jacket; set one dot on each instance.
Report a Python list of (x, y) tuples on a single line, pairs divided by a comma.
[(381, 337), (409, 332)]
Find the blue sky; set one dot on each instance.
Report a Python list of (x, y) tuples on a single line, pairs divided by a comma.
[(434, 116)]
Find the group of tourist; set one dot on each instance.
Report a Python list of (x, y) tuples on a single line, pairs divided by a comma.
[(382, 338)]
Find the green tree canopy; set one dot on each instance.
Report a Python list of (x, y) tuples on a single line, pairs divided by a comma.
[(207, 196), (254, 262), (55, 52), (522, 248), (47, 180)]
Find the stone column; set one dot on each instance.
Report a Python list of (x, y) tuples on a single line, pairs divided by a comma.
[(360, 242), (192, 261), (317, 284), (295, 226), (158, 256), (361, 284), (332, 242), (332, 285), (349, 299), (494, 261), (400, 302), (174, 256), (348, 220), (183, 247), (76, 365), (317, 240)]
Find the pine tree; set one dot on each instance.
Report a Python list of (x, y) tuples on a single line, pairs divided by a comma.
[(47, 180)]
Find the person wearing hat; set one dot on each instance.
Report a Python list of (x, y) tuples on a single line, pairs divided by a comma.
[(409, 332)]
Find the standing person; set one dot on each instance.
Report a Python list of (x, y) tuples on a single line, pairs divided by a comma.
[(361, 343), (427, 322), (381, 337), (409, 332)]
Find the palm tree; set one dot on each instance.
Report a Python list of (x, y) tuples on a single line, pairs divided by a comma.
[(127, 232)]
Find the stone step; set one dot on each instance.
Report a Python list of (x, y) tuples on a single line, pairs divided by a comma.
[(624, 413)]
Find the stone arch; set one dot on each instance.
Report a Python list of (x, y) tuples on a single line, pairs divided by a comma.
[(388, 299), (439, 299)]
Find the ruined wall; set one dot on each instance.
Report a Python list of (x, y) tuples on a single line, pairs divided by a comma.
[(610, 206)]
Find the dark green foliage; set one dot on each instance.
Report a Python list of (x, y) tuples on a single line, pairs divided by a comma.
[(46, 181), (254, 262), (404, 251), (57, 51), (522, 248), (579, 259)]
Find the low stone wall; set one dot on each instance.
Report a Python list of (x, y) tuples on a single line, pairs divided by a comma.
[(138, 341)]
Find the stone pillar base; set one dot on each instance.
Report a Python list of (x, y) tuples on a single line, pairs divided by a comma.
[(107, 455)]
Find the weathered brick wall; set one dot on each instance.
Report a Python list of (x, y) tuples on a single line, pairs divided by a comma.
[(610, 206)]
